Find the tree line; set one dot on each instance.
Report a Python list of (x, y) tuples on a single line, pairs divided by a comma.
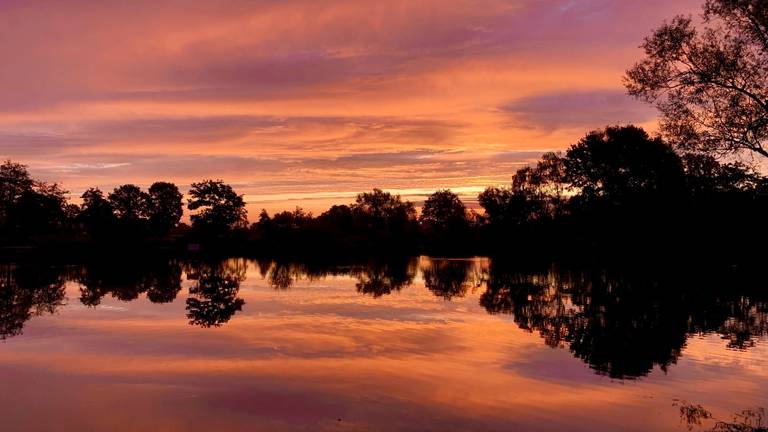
[(694, 187), (617, 185), (32, 209)]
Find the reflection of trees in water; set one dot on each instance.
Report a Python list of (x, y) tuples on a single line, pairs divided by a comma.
[(27, 291), (263, 266), (212, 302), (282, 275), (159, 279), (449, 278), (377, 278), (213, 299), (164, 283), (381, 278), (746, 319), (622, 325)]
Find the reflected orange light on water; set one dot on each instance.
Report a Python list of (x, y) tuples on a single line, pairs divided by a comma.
[(321, 351)]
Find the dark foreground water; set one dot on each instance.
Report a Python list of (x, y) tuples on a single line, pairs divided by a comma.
[(414, 344)]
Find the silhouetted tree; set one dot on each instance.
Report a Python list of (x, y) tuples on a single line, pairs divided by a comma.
[(339, 229), (497, 203), (383, 210), (96, 213), (542, 188), (445, 224), (443, 211), (14, 182), (165, 206), (620, 162), (746, 420), (221, 207), (536, 193), (506, 207), (291, 220), (265, 222), (339, 216), (710, 84), (41, 210), (706, 176), (129, 203)]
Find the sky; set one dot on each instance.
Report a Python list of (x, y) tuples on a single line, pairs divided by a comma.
[(309, 102)]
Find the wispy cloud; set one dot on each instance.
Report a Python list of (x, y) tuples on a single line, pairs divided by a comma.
[(577, 109)]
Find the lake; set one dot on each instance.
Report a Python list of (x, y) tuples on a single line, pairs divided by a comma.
[(409, 344)]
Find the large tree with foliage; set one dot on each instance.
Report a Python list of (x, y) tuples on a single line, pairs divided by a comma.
[(218, 206), (710, 83), (706, 177), (129, 202), (443, 211), (28, 206), (537, 192), (620, 162), (14, 182), (382, 209), (96, 213), (40, 210), (165, 206)]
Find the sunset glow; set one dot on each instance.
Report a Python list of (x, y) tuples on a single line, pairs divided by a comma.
[(310, 102)]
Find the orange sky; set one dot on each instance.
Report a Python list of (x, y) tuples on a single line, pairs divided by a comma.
[(307, 102)]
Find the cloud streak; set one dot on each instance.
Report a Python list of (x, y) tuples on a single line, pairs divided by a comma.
[(577, 110)]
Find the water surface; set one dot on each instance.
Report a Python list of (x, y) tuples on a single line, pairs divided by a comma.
[(419, 344)]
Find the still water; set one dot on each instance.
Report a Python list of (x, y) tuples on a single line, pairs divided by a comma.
[(413, 344)]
